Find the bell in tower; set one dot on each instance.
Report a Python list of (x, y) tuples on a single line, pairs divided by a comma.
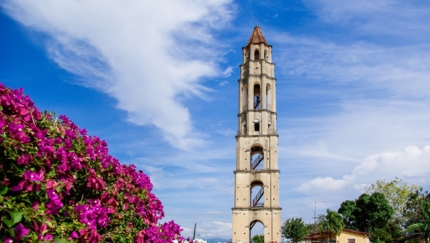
[(256, 187)]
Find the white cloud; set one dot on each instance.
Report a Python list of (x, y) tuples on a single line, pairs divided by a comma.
[(410, 164), (145, 54), (394, 17), (326, 184)]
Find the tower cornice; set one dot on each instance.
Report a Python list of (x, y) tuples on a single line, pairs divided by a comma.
[(256, 171), (257, 209), (256, 75), (258, 110), (246, 63)]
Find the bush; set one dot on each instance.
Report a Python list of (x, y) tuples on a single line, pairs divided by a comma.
[(59, 184)]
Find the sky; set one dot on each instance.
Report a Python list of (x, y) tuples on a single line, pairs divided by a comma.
[(158, 81)]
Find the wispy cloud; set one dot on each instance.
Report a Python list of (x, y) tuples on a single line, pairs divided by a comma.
[(147, 55), (410, 163)]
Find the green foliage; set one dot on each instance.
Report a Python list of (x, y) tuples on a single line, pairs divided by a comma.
[(15, 217), (295, 229), (346, 210), (332, 222), (396, 192), (424, 226), (412, 213), (257, 239), (372, 212), (58, 184)]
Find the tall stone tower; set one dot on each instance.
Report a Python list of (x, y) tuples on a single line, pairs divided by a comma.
[(256, 187)]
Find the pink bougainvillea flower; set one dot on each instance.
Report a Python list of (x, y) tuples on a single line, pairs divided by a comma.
[(20, 231), (9, 240), (54, 204), (23, 159), (81, 181), (32, 176), (35, 206), (73, 235)]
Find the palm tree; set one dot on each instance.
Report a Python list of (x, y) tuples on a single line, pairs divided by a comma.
[(424, 226), (332, 222)]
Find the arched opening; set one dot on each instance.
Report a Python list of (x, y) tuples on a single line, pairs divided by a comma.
[(257, 158), (257, 55), (257, 194), (265, 54), (257, 100), (256, 232)]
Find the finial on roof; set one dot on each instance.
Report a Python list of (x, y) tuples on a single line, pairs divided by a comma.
[(257, 37)]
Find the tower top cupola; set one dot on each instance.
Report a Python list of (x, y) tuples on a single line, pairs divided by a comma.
[(257, 37)]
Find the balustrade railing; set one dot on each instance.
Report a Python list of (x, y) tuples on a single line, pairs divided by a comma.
[(257, 198), (257, 161)]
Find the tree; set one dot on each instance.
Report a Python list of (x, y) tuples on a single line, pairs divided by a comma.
[(396, 192), (424, 226), (372, 212), (332, 222), (412, 212), (346, 210), (257, 239), (295, 229)]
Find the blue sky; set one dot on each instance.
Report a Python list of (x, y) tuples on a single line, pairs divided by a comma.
[(158, 81)]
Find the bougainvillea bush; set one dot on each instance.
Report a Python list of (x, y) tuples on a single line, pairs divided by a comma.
[(60, 185)]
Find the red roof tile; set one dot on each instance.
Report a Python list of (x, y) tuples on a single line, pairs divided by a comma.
[(257, 37)]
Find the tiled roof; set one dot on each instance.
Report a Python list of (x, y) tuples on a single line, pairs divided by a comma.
[(257, 37)]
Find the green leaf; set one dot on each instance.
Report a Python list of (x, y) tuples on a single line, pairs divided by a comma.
[(15, 218), (49, 223), (60, 241), (3, 190)]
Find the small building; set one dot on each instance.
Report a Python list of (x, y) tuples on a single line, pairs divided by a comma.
[(347, 236)]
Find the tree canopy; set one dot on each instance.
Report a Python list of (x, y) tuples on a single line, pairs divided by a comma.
[(424, 225), (295, 229), (257, 239), (368, 213), (396, 192)]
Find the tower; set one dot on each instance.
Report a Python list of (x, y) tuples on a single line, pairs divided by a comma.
[(256, 187)]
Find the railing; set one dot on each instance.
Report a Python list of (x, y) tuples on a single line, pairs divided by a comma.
[(257, 198), (257, 103), (257, 161), (252, 225)]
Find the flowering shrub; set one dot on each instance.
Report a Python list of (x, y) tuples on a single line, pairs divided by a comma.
[(59, 184)]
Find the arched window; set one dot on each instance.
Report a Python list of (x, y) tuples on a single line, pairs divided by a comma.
[(257, 55), (257, 194), (256, 231), (257, 158), (257, 100)]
